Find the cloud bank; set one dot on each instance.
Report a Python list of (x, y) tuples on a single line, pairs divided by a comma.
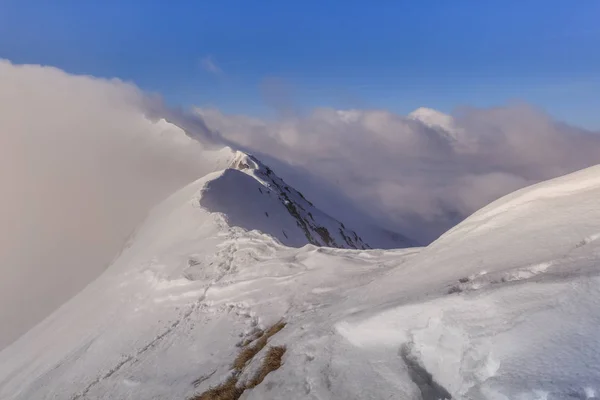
[(81, 162), (418, 175)]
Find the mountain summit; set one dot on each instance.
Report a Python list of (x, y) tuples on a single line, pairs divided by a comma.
[(251, 196), (432, 118)]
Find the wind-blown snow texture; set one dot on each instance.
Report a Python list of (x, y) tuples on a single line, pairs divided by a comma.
[(504, 306)]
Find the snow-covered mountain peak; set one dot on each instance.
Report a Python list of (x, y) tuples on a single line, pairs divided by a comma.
[(243, 161), (433, 118), (430, 115), (251, 196)]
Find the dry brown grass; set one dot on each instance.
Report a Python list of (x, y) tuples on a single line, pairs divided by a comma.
[(275, 328), (255, 334), (229, 390), (271, 362), (248, 352), (225, 391)]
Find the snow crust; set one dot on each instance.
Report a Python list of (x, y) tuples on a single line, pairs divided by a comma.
[(504, 306)]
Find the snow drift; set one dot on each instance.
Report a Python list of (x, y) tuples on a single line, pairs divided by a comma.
[(504, 306)]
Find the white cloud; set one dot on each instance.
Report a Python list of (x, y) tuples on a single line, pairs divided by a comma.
[(210, 65), (408, 176)]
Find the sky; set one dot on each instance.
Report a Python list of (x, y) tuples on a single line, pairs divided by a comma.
[(258, 57)]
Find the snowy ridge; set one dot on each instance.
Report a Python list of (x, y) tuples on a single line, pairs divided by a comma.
[(173, 305), (504, 306)]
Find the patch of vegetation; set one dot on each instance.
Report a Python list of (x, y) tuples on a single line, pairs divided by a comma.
[(228, 390), (231, 389), (464, 280), (248, 352), (276, 328), (271, 362)]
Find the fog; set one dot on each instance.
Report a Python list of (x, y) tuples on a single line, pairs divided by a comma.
[(81, 162)]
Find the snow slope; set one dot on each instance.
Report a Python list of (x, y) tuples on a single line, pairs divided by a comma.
[(251, 196), (503, 306)]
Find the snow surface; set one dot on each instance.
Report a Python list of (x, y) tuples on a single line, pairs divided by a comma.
[(433, 118), (504, 306), (441, 122)]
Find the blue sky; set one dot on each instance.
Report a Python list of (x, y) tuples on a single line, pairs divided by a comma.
[(266, 55)]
